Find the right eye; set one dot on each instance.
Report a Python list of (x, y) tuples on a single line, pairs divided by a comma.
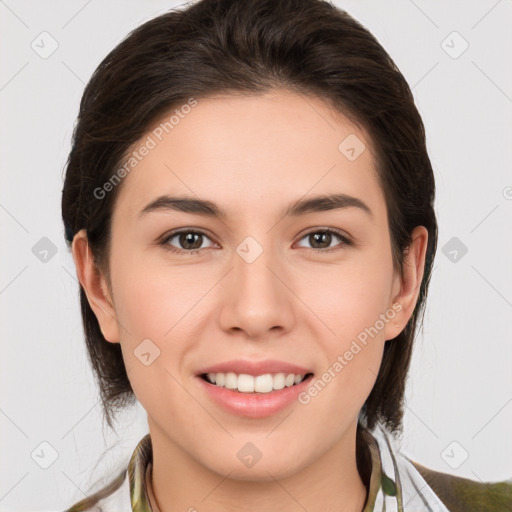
[(191, 242)]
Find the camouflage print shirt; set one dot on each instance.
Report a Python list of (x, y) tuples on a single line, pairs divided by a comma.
[(396, 484)]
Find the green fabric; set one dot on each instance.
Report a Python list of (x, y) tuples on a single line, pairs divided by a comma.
[(139, 461), (465, 495), (378, 478)]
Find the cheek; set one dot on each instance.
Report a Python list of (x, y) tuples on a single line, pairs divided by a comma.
[(154, 315), (352, 301), (150, 307), (349, 297), (153, 299)]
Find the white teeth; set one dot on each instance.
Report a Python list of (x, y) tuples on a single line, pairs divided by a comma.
[(263, 383), (278, 380), (219, 379), (231, 380), (245, 383)]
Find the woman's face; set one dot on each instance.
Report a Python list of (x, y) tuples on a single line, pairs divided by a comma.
[(266, 283)]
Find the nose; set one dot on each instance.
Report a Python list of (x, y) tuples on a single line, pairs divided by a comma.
[(256, 295)]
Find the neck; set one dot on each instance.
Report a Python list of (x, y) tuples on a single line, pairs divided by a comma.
[(330, 483)]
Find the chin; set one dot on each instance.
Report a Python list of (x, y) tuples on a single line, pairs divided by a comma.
[(250, 463)]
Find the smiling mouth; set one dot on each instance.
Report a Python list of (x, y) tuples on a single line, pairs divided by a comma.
[(245, 383)]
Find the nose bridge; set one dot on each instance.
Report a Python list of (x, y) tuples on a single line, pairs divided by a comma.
[(258, 299), (252, 263)]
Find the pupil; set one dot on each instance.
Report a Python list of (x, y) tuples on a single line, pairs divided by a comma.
[(321, 237), (189, 238)]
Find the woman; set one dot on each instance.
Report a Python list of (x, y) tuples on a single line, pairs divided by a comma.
[(249, 203)]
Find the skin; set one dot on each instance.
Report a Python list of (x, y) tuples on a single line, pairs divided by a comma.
[(252, 155)]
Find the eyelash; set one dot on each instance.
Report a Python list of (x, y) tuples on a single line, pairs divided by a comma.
[(344, 239)]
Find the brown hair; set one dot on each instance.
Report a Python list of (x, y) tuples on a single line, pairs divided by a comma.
[(250, 46)]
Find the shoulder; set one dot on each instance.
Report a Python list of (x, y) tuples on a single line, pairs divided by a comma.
[(127, 488), (465, 495), (417, 486)]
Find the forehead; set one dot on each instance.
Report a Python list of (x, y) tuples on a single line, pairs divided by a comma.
[(242, 150)]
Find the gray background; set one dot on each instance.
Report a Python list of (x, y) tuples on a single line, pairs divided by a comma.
[(458, 416)]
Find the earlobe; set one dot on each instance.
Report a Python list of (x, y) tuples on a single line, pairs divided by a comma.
[(404, 301), (95, 287)]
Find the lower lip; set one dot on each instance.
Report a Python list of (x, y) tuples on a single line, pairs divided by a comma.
[(254, 405)]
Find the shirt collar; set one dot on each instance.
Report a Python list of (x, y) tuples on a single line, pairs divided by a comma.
[(384, 492)]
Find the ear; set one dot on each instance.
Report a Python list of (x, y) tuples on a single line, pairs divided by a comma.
[(95, 287), (406, 288)]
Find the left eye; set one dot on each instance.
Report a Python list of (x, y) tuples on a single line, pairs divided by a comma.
[(323, 238)]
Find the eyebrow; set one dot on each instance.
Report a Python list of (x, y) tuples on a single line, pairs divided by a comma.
[(207, 208)]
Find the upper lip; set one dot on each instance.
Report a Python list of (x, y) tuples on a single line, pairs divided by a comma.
[(255, 367)]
